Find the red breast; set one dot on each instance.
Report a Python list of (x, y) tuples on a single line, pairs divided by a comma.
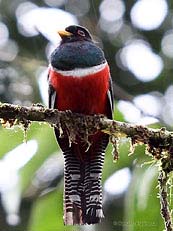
[(86, 94)]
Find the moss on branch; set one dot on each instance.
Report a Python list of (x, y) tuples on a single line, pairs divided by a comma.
[(159, 141)]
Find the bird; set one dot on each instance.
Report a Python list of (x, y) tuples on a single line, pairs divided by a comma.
[(79, 81)]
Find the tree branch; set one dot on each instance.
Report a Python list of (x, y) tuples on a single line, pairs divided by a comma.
[(165, 211), (158, 141)]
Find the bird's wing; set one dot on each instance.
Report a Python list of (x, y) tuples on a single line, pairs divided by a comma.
[(110, 100), (52, 96)]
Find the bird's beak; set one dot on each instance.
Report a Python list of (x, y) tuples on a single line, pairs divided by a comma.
[(64, 33)]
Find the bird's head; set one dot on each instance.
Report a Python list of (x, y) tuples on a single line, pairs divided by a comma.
[(74, 33)]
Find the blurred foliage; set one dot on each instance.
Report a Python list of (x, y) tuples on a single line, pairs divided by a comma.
[(22, 60)]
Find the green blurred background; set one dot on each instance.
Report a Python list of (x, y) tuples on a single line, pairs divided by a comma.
[(137, 38)]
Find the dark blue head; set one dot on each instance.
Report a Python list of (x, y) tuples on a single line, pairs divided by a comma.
[(76, 50)]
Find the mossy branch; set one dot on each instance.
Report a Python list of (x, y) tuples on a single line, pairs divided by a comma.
[(165, 211), (159, 142)]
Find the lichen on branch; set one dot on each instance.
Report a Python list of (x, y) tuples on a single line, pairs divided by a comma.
[(165, 210), (159, 141)]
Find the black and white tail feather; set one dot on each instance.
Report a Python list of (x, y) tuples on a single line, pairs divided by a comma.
[(82, 181)]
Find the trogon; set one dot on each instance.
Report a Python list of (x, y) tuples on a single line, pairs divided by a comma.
[(79, 80)]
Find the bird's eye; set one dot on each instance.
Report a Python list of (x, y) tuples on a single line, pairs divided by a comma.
[(81, 33)]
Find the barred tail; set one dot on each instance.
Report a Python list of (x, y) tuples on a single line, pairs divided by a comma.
[(82, 181), (93, 188)]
